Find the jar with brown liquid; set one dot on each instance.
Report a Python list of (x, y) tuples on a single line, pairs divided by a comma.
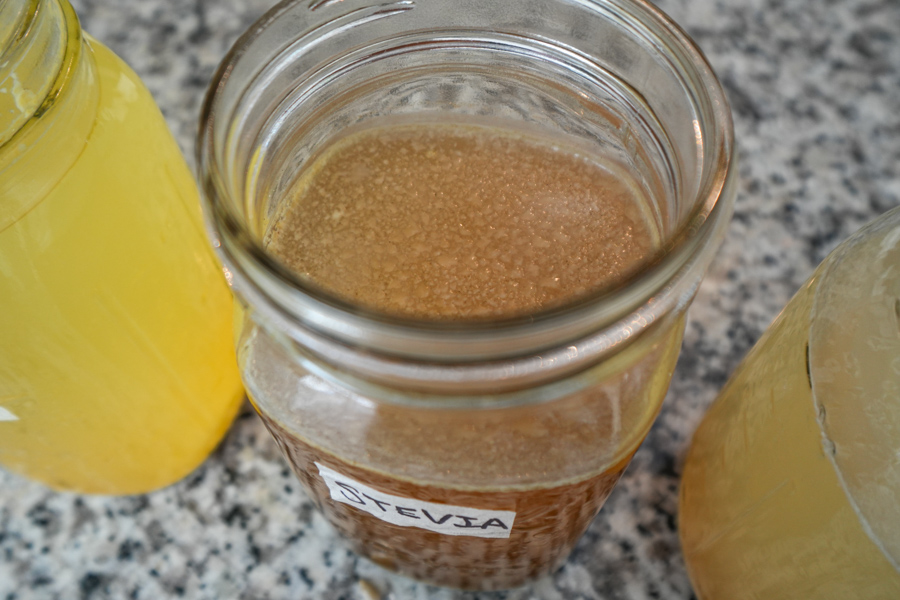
[(465, 239)]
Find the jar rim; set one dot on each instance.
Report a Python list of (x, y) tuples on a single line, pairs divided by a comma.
[(663, 284)]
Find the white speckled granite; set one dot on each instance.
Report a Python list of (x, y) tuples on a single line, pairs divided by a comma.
[(815, 87)]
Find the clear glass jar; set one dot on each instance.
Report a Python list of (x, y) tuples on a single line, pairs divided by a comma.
[(791, 486), (469, 454), (117, 367)]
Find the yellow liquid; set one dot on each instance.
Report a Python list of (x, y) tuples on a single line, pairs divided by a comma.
[(117, 371), (763, 514)]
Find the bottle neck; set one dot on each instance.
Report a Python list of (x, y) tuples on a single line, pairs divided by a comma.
[(35, 41), (48, 97)]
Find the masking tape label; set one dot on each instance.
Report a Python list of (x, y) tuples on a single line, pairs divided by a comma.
[(408, 512)]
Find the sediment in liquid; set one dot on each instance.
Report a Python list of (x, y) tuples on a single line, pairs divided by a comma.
[(548, 523)]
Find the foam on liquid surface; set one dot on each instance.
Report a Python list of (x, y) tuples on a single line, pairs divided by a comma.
[(461, 221)]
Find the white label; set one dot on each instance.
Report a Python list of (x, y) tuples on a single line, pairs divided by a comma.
[(6, 415), (408, 512)]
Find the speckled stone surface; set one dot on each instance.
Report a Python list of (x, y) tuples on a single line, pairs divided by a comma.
[(815, 88)]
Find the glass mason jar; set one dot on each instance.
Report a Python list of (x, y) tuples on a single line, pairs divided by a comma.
[(466, 453), (117, 367), (791, 486)]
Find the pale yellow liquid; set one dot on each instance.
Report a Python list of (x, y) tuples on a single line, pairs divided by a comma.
[(117, 371), (763, 514)]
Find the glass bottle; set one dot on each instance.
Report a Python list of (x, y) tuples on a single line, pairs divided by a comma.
[(117, 371), (792, 482)]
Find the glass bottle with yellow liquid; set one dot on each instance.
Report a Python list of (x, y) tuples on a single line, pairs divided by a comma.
[(117, 373), (792, 485)]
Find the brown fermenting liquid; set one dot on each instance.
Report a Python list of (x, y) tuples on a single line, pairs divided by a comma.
[(458, 222), (548, 523), (455, 222)]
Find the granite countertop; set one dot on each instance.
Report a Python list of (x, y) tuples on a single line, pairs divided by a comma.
[(815, 89)]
